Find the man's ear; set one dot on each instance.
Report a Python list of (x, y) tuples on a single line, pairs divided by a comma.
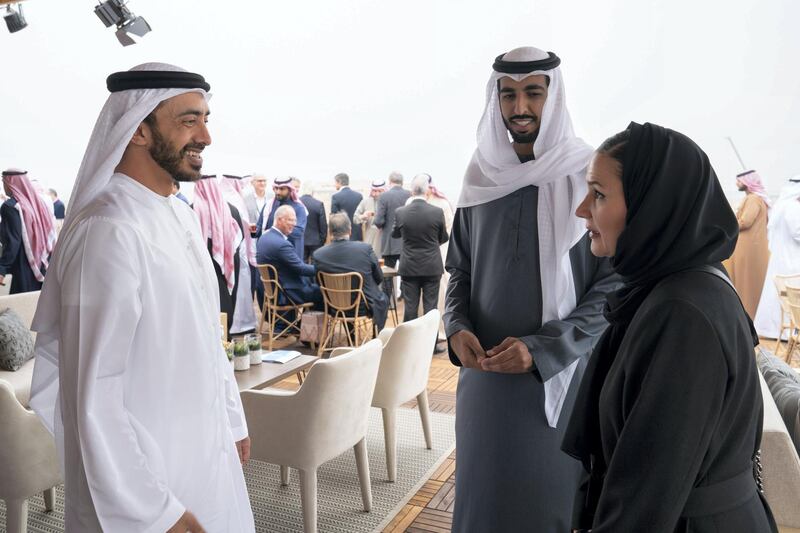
[(142, 135)]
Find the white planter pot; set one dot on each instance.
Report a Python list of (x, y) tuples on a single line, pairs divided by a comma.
[(255, 358), (241, 362)]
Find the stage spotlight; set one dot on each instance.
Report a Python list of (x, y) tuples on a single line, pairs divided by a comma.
[(117, 13), (15, 20)]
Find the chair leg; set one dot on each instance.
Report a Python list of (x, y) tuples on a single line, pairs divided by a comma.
[(324, 336), (308, 498), (271, 328), (790, 349), (777, 348), (348, 336), (362, 465), (299, 377), (261, 317), (17, 516), (284, 475), (424, 415), (49, 498), (390, 441)]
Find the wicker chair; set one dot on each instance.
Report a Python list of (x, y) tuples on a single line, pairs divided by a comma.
[(343, 296), (786, 323), (278, 306), (793, 298)]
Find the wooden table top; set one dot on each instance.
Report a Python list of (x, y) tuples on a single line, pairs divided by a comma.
[(266, 374)]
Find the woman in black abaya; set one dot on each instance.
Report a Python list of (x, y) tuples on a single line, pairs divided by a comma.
[(668, 418)]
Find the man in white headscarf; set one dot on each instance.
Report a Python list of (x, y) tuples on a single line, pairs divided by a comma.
[(784, 247), (524, 303), (365, 215), (130, 373)]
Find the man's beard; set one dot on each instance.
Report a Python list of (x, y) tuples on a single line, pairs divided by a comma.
[(170, 160), (522, 138)]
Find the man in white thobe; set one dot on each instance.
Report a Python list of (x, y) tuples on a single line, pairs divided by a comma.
[(130, 373), (783, 232)]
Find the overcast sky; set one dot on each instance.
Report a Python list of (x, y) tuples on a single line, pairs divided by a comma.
[(314, 88)]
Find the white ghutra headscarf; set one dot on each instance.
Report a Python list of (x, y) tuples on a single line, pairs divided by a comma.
[(558, 171)]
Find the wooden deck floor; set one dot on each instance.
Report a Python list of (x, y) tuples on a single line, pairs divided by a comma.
[(431, 508)]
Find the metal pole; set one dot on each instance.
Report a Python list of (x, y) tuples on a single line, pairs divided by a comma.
[(744, 167)]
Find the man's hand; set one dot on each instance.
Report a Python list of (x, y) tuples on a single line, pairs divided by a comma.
[(2, 280), (468, 349), (187, 522), (509, 357), (243, 447)]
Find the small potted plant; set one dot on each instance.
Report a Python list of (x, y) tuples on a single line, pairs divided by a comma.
[(254, 343), (228, 347), (241, 354)]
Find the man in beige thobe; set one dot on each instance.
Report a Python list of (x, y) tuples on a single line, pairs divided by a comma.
[(748, 264)]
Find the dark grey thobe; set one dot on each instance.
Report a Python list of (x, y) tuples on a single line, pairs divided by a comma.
[(511, 475)]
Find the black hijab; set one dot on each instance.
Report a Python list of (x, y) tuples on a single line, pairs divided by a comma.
[(677, 219)]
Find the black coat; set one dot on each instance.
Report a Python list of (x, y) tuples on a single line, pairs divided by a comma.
[(388, 202), (423, 229), (680, 408), (351, 256), (317, 223), (347, 200), (59, 209)]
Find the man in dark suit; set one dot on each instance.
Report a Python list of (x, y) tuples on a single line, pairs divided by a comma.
[(344, 255), (59, 209), (422, 229), (273, 247), (346, 200), (316, 225), (388, 203)]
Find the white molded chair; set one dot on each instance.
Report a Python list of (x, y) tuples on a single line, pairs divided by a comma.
[(28, 460), (325, 417), (403, 375)]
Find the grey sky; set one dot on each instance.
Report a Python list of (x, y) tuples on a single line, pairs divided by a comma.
[(366, 87)]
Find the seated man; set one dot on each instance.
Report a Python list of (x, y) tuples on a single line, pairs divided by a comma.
[(343, 255), (295, 277)]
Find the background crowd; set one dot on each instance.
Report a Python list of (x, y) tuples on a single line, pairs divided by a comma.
[(252, 220), (31, 216)]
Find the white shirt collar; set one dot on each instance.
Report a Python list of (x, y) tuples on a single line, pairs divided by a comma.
[(280, 233)]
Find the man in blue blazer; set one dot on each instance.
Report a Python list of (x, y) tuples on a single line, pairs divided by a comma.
[(285, 194), (346, 200), (273, 247)]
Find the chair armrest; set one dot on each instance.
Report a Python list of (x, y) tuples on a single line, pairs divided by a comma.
[(273, 419), (339, 351), (27, 450)]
